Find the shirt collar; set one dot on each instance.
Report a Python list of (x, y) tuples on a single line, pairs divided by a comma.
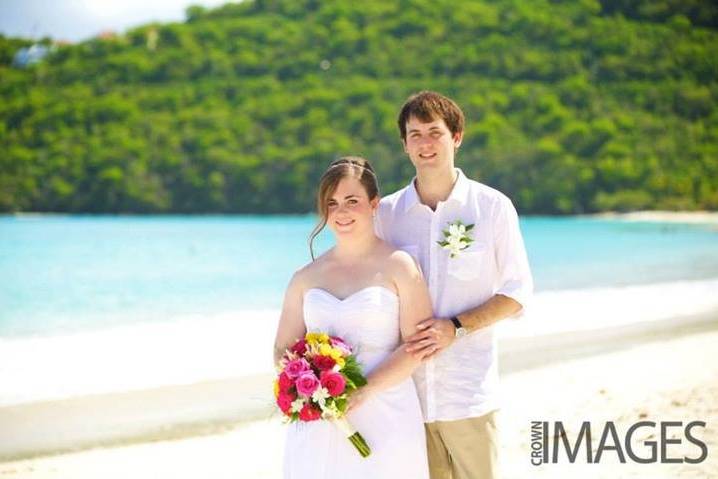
[(459, 193)]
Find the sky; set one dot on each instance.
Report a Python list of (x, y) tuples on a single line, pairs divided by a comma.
[(77, 20)]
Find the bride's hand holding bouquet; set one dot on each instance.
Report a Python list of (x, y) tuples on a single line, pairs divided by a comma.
[(316, 377)]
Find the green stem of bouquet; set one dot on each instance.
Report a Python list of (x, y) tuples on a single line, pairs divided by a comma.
[(360, 444)]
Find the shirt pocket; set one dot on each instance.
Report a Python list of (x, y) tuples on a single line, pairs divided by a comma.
[(468, 264)]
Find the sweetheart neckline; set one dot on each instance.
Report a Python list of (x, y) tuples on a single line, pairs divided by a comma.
[(322, 290)]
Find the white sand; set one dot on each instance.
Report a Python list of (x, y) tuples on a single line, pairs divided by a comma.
[(673, 380), (668, 379), (108, 419)]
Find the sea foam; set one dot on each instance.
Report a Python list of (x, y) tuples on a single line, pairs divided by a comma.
[(239, 344)]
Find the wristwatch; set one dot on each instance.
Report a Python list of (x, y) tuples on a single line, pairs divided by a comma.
[(460, 330)]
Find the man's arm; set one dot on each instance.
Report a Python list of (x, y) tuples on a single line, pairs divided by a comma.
[(436, 334), (498, 307), (514, 278)]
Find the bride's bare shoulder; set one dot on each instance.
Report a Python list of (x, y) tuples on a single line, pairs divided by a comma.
[(308, 274), (399, 261)]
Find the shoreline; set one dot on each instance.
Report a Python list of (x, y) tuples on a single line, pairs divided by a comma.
[(57, 427), (661, 216), (55, 368), (649, 381)]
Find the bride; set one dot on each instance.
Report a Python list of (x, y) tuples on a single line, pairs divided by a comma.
[(372, 295)]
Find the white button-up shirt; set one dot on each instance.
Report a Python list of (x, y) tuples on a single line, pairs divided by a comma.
[(461, 381)]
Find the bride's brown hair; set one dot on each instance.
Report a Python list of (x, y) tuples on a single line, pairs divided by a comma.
[(345, 167)]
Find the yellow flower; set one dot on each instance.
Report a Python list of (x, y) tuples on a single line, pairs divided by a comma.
[(317, 338), (276, 388), (327, 350), (334, 353), (312, 350)]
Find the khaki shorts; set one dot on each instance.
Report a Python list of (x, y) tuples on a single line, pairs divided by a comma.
[(463, 449)]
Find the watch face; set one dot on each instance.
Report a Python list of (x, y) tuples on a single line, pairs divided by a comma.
[(460, 332)]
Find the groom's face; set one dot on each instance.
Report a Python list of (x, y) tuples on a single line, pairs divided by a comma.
[(430, 145)]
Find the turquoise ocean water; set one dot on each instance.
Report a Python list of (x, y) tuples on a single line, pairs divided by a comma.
[(65, 274)]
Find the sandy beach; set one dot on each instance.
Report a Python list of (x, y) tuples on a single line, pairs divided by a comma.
[(639, 352), (669, 375)]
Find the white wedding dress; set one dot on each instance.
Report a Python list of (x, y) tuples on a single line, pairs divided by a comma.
[(390, 422)]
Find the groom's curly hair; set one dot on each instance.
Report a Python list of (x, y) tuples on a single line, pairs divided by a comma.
[(428, 106)]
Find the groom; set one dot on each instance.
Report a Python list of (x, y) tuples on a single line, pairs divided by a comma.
[(472, 287)]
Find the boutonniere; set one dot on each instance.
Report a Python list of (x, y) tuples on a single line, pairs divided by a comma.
[(456, 238)]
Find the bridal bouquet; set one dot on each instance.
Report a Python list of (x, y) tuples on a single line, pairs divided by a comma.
[(316, 375)]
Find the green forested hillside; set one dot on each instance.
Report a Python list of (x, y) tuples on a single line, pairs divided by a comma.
[(572, 106)]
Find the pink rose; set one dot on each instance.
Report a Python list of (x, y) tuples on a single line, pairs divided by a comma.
[(300, 347), (284, 382), (334, 382), (309, 413), (296, 367), (307, 383), (284, 401), (340, 344), (323, 362)]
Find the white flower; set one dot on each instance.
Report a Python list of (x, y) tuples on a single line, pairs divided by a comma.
[(456, 230), (320, 396), (330, 411), (454, 242), (298, 404), (456, 238)]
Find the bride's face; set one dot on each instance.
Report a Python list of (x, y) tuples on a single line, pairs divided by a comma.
[(349, 209)]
